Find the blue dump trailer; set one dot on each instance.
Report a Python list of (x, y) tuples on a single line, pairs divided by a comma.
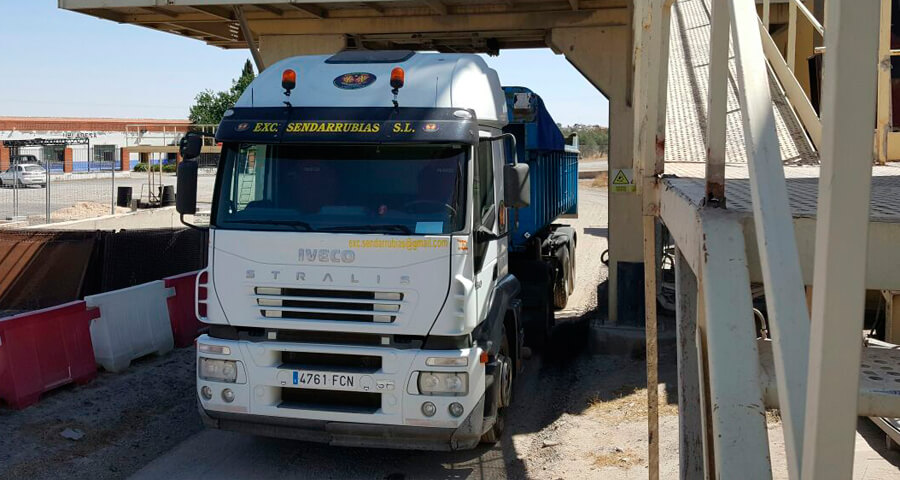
[(542, 251)]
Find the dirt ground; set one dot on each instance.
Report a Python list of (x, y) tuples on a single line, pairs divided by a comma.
[(575, 415)]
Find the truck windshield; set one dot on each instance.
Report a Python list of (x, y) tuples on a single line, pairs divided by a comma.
[(391, 189)]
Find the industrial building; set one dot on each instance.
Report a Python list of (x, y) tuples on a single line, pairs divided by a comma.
[(87, 144)]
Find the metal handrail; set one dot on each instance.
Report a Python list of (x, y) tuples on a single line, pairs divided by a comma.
[(785, 294), (784, 65), (795, 4)]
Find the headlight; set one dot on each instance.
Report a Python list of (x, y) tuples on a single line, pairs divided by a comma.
[(443, 383), (218, 370)]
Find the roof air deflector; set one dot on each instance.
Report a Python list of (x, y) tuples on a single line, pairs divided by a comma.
[(371, 56)]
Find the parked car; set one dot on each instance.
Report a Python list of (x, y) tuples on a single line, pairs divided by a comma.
[(24, 174)]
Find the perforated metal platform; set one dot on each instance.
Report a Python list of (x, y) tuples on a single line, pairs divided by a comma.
[(802, 185), (686, 117), (879, 380), (687, 122)]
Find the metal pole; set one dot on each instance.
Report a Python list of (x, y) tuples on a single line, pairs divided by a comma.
[(248, 37), (112, 187), (848, 114), (15, 183), (791, 53), (652, 353), (718, 103), (47, 188), (883, 122), (785, 296), (690, 423)]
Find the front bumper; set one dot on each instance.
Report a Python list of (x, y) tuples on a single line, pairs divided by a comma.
[(348, 434), (262, 405)]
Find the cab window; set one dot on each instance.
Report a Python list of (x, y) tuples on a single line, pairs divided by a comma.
[(483, 190)]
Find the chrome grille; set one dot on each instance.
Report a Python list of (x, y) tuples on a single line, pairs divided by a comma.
[(332, 305)]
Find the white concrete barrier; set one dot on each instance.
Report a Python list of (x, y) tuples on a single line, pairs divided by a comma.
[(133, 322)]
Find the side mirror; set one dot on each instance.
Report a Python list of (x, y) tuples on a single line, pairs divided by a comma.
[(484, 234), (186, 196), (516, 185), (190, 145)]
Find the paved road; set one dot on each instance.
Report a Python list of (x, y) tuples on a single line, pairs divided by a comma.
[(32, 201), (218, 454)]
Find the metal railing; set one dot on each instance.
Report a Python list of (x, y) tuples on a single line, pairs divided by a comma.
[(784, 66), (816, 362), (886, 141)]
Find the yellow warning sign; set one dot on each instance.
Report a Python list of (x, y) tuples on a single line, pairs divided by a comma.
[(623, 181)]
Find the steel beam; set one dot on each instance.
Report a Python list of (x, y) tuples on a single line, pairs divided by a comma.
[(445, 23), (718, 103), (649, 224), (848, 117), (690, 423), (248, 37), (785, 297), (312, 10), (738, 420), (437, 6)]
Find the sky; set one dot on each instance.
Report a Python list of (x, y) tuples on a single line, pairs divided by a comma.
[(64, 64)]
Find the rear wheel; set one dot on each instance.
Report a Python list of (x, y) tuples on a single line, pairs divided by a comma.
[(506, 378), (563, 283)]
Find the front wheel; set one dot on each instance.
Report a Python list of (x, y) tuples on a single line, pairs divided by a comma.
[(506, 378)]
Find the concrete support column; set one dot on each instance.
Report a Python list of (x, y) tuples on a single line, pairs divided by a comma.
[(608, 69), (124, 159), (277, 47), (67, 160), (4, 158)]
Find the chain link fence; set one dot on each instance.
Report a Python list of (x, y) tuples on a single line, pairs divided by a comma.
[(60, 181)]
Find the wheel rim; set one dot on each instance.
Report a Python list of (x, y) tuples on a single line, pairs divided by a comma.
[(505, 381)]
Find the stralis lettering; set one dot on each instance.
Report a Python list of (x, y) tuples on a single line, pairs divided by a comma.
[(325, 255), (333, 127)]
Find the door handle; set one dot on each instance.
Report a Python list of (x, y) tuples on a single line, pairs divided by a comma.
[(494, 276)]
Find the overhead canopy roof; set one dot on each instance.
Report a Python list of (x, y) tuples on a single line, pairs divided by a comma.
[(442, 25)]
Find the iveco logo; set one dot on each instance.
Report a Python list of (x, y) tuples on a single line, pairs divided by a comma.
[(325, 255)]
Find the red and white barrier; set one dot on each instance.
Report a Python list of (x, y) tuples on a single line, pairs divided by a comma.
[(133, 322), (185, 325), (45, 349), (48, 348)]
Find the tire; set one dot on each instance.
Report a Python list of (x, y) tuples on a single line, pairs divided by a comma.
[(494, 434), (563, 283)]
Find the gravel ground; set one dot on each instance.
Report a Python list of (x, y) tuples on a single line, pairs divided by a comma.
[(127, 419)]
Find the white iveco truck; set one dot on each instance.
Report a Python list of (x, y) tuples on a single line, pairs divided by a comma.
[(362, 284)]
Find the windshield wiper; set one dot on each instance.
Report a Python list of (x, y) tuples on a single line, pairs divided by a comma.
[(369, 228), (293, 223)]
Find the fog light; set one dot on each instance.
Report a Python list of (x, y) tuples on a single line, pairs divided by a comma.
[(456, 409), (206, 393), (428, 409), (228, 395)]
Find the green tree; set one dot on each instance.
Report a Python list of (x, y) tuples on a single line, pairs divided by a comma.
[(209, 106), (593, 140)]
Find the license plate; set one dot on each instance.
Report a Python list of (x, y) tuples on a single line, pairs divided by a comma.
[(325, 380)]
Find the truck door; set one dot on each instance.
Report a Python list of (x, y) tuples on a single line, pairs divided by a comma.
[(486, 214)]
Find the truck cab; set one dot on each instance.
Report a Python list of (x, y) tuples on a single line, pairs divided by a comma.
[(358, 288)]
